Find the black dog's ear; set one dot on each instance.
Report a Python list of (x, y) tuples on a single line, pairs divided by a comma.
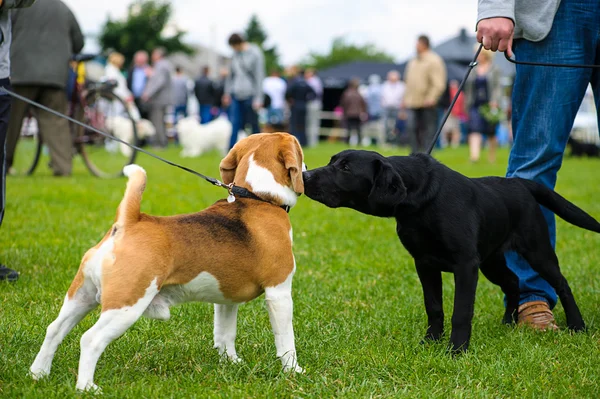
[(388, 188)]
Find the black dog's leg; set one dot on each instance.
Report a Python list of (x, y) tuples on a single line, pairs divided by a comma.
[(494, 269), (465, 281), (542, 258), (431, 280)]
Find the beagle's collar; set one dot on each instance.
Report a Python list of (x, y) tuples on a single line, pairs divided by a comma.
[(241, 192)]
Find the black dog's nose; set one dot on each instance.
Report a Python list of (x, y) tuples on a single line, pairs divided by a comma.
[(306, 175)]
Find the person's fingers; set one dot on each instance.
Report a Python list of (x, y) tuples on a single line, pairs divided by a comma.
[(509, 48), (503, 45), (487, 42), (479, 36)]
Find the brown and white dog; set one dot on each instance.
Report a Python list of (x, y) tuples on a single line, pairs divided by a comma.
[(228, 254)]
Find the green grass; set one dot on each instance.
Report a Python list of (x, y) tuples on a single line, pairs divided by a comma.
[(358, 312)]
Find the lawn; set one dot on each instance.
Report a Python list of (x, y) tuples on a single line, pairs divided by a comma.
[(358, 313)]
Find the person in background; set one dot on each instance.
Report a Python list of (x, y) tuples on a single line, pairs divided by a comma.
[(355, 110), (313, 108), (243, 87), (452, 132), (275, 87), (180, 93), (392, 94), (426, 80), (137, 77), (158, 94), (545, 102), (6, 274), (483, 94), (40, 71), (205, 91), (373, 98), (113, 72), (219, 85), (298, 95)]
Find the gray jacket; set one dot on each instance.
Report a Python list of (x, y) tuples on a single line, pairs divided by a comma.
[(45, 37), (533, 18), (246, 74), (5, 33), (159, 88)]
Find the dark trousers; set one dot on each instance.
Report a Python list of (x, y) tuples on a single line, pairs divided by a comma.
[(240, 114), (157, 117), (54, 130), (353, 123), (420, 125), (5, 102), (298, 124), (142, 107)]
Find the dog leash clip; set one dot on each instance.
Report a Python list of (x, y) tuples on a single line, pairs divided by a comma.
[(230, 197)]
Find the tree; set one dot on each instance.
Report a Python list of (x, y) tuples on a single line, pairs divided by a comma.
[(256, 34), (143, 29), (342, 52)]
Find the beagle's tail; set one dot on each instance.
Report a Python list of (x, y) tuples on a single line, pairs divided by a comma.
[(128, 212)]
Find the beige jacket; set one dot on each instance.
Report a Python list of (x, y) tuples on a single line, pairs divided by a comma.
[(425, 77)]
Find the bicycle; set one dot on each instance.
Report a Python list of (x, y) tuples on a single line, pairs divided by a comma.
[(94, 104)]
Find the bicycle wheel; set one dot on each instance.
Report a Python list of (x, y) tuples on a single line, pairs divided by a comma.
[(106, 112), (29, 148)]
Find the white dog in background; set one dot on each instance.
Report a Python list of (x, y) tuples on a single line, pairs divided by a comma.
[(122, 128), (197, 139)]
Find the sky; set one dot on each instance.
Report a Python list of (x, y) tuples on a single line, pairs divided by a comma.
[(298, 27)]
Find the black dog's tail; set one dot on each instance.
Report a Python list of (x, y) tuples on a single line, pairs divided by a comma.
[(563, 208)]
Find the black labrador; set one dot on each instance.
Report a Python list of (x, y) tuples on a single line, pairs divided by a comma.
[(451, 223)]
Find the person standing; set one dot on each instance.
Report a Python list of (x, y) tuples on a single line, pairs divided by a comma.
[(180, 93), (483, 93), (425, 78), (275, 87), (298, 95), (137, 78), (44, 38), (392, 94), (158, 94), (205, 91), (545, 102), (6, 274), (313, 109), (355, 110), (243, 87), (113, 72)]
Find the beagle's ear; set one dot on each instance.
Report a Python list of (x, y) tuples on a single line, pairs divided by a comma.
[(228, 166), (388, 188), (292, 159)]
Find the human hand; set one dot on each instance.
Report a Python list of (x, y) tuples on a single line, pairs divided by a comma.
[(145, 97), (496, 34), (226, 99), (428, 103)]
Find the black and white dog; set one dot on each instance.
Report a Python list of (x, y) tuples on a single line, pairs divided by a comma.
[(451, 223)]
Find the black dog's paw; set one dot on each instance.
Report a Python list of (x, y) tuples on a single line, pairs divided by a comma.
[(578, 327), (431, 337), (457, 350)]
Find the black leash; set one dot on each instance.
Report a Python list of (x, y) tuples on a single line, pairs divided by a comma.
[(233, 190), (511, 60), (472, 65)]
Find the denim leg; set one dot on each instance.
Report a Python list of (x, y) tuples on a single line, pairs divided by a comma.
[(237, 117), (205, 115), (545, 102)]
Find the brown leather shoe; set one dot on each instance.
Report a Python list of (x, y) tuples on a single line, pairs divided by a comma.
[(537, 314)]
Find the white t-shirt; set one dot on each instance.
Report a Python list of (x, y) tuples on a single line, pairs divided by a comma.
[(275, 87), (392, 94)]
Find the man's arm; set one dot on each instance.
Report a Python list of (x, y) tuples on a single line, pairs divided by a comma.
[(75, 34), (156, 82), (438, 82), (495, 24), (259, 76), (4, 4)]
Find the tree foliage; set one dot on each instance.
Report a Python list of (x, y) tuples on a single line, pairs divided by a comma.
[(142, 29), (256, 34), (342, 52)]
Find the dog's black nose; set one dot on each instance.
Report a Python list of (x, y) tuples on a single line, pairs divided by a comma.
[(306, 175)]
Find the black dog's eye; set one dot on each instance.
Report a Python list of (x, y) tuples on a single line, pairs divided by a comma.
[(345, 167)]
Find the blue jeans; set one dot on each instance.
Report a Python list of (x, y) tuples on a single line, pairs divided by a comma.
[(205, 113), (241, 113), (545, 102), (180, 109)]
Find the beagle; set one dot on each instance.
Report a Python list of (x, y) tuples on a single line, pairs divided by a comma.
[(227, 254)]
